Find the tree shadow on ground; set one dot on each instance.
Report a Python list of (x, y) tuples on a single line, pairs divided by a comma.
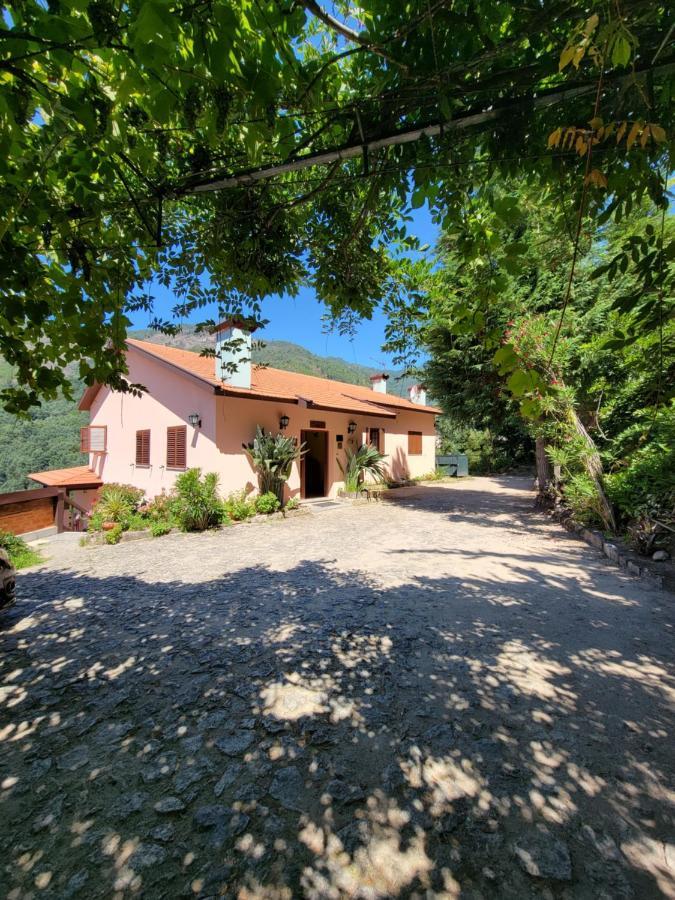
[(311, 733)]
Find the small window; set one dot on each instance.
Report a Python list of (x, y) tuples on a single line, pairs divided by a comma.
[(176, 444), (143, 447), (93, 439), (374, 438), (414, 443)]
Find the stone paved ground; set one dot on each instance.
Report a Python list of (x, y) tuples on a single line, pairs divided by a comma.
[(439, 695)]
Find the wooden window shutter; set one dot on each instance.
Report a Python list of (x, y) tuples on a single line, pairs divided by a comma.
[(93, 439), (374, 438), (143, 447), (414, 443), (176, 447)]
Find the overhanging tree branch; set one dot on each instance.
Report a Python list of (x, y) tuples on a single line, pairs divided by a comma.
[(349, 33), (430, 129)]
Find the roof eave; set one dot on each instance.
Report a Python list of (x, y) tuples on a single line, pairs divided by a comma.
[(243, 394), (88, 396), (378, 413)]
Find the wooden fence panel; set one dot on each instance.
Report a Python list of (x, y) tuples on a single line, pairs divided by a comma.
[(24, 511)]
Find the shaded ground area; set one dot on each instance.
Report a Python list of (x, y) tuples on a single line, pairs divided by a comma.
[(437, 695)]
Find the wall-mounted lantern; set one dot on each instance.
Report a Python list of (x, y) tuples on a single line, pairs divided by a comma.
[(283, 422), (351, 428), (195, 420)]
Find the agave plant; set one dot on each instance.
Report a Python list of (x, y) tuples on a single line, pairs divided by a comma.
[(272, 457), (365, 460)]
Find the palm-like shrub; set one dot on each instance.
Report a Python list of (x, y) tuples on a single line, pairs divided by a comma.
[(272, 457), (365, 460), (116, 503), (197, 505)]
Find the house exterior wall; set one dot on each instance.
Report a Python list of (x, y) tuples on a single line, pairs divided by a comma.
[(227, 423), (170, 399)]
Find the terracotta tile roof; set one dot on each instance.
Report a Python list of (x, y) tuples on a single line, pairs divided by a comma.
[(76, 477), (277, 384)]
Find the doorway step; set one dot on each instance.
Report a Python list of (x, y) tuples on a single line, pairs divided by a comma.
[(321, 504)]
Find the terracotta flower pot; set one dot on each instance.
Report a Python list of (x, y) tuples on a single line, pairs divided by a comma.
[(108, 526)]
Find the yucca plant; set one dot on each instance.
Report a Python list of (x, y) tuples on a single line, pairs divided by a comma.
[(365, 460), (272, 457)]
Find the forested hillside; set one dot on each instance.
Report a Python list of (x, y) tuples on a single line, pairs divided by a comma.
[(49, 437)]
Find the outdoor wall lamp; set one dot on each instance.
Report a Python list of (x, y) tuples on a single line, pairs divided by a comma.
[(283, 422), (195, 420), (351, 428)]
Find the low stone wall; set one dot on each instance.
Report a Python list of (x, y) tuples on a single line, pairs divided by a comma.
[(658, 574)]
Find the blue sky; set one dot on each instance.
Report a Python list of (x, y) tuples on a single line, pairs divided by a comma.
[(299, 319)]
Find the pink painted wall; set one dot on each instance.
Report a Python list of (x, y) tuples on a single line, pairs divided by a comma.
[(226, 424)]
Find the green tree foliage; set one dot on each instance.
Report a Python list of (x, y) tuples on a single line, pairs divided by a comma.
[(598, 385), (232, 150), (48, 437)]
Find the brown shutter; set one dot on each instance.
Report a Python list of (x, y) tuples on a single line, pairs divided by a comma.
[(414, 443), (374, 438), (176, 447), (143, 447), (93, 439)]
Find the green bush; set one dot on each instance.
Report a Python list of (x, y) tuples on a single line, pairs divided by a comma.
[(115, 503), (267, 503), (197, 505), (160, 508), (238, 508), (114, 535), (159, 527), (646, 485), (292, 503), (582, 497), (20, 554)]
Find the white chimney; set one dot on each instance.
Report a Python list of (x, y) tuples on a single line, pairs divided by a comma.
[(233, 353), (379, 382), (418, 394)]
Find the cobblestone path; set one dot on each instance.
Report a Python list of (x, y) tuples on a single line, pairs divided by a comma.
[(438, 695)]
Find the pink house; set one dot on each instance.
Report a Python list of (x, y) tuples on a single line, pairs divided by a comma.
[(197, 411)]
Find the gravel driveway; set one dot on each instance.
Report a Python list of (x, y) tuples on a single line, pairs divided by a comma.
[(437, 695)]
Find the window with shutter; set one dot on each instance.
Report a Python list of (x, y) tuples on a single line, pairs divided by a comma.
[(414, 443), (93, 439), (143, 447), (374, 438), (176, 447)]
